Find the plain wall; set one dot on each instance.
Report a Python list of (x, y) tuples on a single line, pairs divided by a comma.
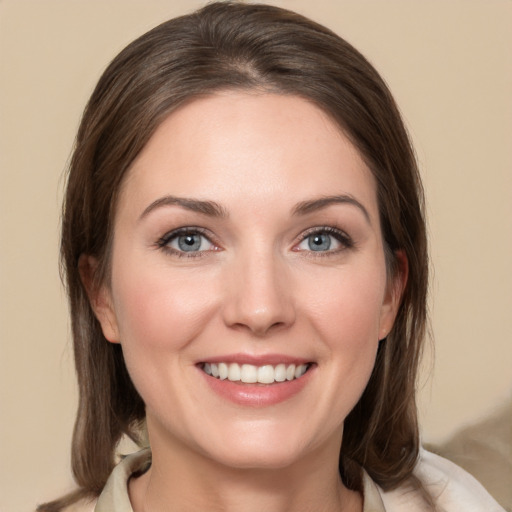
[(449, 64)]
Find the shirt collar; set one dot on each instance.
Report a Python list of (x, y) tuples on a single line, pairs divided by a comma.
[(114, 497)]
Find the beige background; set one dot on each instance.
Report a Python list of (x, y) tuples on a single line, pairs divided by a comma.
[(449, 64)]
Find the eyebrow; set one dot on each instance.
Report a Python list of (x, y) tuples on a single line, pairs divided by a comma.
[(306, 207), (210, 208), (213, 209)]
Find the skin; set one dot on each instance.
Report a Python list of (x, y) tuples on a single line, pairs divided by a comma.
[(255, 287)]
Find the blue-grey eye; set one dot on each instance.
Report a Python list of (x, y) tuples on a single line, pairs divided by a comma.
[(324, 240), (319, 242), (189, 242)]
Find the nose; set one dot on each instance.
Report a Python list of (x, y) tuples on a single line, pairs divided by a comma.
[(259, 295)]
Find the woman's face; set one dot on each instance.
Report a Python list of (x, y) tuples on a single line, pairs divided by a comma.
[(248, 285)]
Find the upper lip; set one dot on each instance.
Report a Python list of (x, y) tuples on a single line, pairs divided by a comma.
[(257, 360)]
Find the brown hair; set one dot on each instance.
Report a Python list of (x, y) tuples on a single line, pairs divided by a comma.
[(233, 45)]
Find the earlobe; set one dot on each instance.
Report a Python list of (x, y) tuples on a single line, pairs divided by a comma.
[(394, 292), (99, 297)]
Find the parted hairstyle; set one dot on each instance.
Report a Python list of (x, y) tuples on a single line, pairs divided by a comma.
[(230, 45)]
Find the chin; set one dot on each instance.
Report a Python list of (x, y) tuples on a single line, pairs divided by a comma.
[(244, 458), (260, 449)]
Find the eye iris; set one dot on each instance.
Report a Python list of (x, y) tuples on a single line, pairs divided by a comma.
[(319, 242), (189, 242)]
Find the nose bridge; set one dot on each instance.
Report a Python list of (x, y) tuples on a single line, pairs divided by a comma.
[(259, 297)]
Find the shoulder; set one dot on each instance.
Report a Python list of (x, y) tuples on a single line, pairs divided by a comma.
[(114, 497), (451, 488)]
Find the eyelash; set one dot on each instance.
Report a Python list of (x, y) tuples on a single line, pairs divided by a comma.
[(339, 235), (163, 243)]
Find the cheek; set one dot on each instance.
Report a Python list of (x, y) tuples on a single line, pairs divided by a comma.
[(161, 311), (348, 304), (158, 317), (346, 314)]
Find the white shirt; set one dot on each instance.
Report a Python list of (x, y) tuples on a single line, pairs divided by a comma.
[(452, 489)]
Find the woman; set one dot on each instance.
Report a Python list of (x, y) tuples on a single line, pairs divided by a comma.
[(246, 261)]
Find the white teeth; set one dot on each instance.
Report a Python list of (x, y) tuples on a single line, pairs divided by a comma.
[(266, 374), (280, 373), (223, 371), (250, 374), (300, 370), (290, 372), (234, 372)]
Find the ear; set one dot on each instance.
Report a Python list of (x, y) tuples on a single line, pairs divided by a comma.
[(394, 291), (99, 296)]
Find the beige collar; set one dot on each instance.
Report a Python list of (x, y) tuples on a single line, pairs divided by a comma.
[(114, 497)]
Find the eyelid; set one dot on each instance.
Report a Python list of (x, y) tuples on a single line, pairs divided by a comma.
[(163, 242), (182, 231), (340, 235)]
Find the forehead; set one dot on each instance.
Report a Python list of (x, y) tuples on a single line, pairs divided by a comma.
[(250, 145)]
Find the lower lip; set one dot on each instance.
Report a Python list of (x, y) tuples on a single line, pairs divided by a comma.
[(257, 395)]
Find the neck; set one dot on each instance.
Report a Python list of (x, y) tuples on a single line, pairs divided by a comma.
[(192, 482)]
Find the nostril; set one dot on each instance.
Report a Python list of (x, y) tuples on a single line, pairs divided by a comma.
[(260, 329), (257, 297)]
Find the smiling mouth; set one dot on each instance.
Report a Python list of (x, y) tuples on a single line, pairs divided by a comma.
[(251, 374)]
